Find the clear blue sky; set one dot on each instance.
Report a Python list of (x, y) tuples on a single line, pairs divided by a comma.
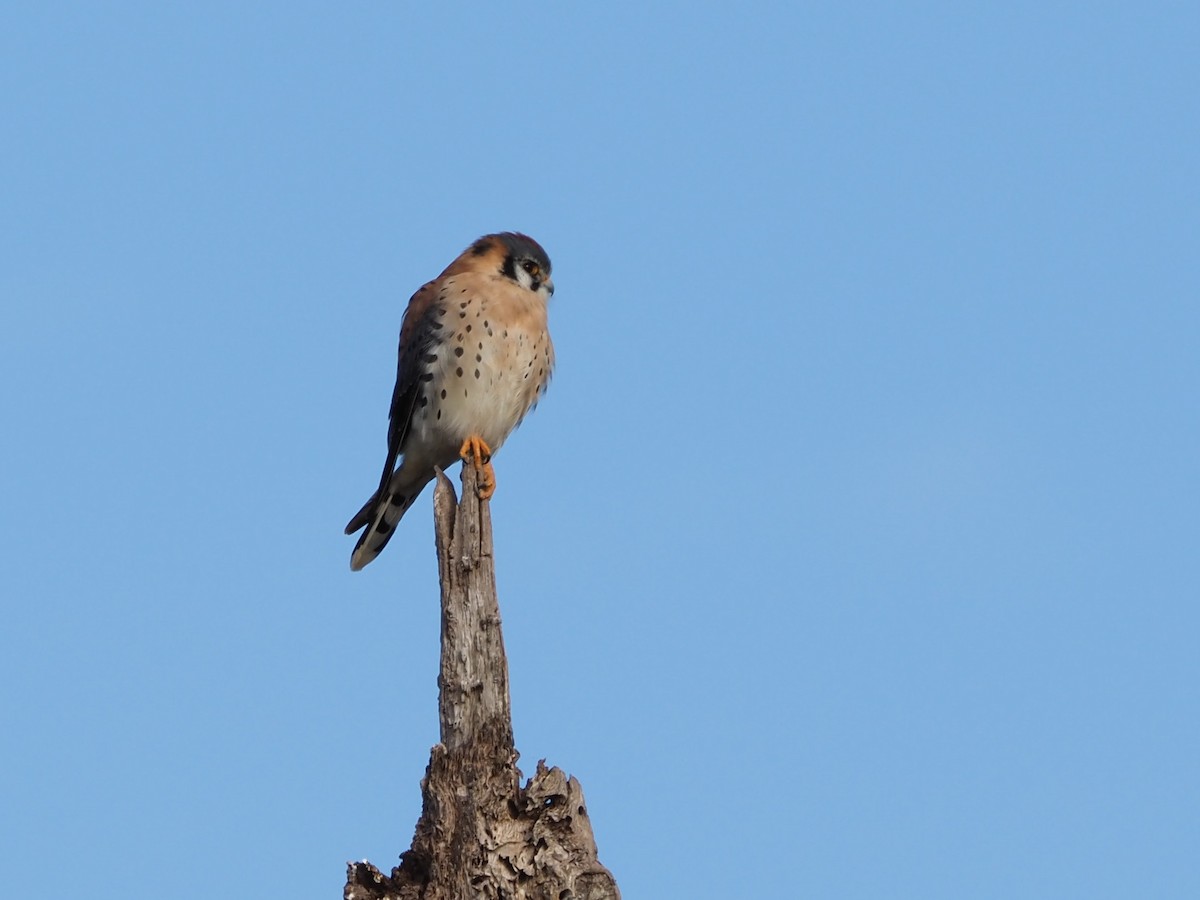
[(852, 553)]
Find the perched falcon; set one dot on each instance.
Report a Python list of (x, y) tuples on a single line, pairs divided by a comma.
[(475, 356)]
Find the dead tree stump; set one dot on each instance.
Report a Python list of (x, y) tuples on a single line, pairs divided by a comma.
[(481, 835)]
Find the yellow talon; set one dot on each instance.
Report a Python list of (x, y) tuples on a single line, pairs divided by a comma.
[(476, 451)]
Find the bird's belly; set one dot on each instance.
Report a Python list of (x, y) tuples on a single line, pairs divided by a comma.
[(480, 387)]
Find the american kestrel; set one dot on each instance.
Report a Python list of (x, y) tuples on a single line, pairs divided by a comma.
[(475, 357)]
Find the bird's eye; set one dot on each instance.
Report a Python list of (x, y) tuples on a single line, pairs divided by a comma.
[(531, 267)]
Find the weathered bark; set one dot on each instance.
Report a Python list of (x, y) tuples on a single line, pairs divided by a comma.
[(481, 835)]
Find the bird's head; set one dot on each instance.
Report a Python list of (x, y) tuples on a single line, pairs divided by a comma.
[(519, 258)]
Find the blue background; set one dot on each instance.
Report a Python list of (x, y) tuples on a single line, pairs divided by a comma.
[(851, 554)]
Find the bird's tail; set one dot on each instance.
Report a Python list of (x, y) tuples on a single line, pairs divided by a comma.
[(380, 515)]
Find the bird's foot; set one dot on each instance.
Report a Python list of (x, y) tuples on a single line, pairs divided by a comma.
[(475, 451)]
